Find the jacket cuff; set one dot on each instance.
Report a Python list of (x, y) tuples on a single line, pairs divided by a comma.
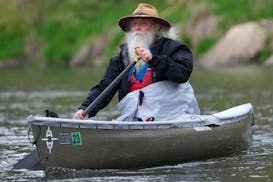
[(154, 61)]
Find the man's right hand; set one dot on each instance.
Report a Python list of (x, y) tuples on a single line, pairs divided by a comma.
[(143, 54), (79, 115)]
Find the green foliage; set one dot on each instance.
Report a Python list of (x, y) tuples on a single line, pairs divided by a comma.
[(186, 39), (61, 45), (266, 52), (205, 45), (11, 44), (11, 30), (263, 55), (64, 26), (72, 23), (118, 37), (238, 11)]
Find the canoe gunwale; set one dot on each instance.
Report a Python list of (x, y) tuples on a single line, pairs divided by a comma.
[(191, 121)]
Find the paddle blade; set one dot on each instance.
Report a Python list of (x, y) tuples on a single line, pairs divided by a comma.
[(30, 162)]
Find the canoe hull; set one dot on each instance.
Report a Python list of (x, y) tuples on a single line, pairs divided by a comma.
[(91, 148)]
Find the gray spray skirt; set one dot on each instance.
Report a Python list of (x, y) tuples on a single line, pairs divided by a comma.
[(163, 101)]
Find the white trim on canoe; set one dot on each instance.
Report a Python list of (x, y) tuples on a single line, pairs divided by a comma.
[(233, 114)]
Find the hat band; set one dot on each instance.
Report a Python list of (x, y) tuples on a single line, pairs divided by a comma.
[(140, 13)]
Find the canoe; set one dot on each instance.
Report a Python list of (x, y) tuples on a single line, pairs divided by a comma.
[(90, 144)]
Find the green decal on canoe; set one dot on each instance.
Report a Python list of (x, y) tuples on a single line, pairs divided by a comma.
[(76, 138)]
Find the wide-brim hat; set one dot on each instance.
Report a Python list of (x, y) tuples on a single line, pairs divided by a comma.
[(143, 11)]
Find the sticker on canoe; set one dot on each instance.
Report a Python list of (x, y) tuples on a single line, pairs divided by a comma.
[(49, 139), (76, 138), (65, 138), (202, 128)]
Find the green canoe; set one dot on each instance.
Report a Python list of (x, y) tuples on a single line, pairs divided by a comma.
[(89, 144)]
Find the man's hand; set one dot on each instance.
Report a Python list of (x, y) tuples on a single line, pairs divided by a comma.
[(79, 115), (143, 54)]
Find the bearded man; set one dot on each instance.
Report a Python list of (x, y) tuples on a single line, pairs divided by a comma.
[(161, 59)]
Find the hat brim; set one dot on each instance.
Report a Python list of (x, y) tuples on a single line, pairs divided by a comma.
[(123, 22)]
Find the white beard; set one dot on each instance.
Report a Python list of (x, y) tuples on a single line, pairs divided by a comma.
[(138, 39)]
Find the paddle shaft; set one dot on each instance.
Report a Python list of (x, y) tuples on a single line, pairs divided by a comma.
[(109, 88)]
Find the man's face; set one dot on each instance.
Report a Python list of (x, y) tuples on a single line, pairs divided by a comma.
[(143, 25)]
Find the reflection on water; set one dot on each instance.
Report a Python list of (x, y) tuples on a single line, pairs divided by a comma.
[(215, 91)]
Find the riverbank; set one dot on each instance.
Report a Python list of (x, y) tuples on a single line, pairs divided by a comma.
[(73, 33)]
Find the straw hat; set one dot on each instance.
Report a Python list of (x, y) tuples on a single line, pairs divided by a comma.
[(143, 11)]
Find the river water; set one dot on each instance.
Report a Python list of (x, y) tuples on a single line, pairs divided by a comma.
[(25, 92)]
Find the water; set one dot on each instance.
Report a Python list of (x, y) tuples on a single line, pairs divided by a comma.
[(62, 91)]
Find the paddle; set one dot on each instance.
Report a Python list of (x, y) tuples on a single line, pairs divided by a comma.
[(109, 88), (32, 162)]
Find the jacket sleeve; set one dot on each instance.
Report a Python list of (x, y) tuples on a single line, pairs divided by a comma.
[(111, 73), (172, 61)]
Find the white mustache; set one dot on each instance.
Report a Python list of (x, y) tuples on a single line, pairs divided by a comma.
[(138, 34)]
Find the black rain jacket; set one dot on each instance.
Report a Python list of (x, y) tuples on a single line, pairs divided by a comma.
[(171, 60)]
